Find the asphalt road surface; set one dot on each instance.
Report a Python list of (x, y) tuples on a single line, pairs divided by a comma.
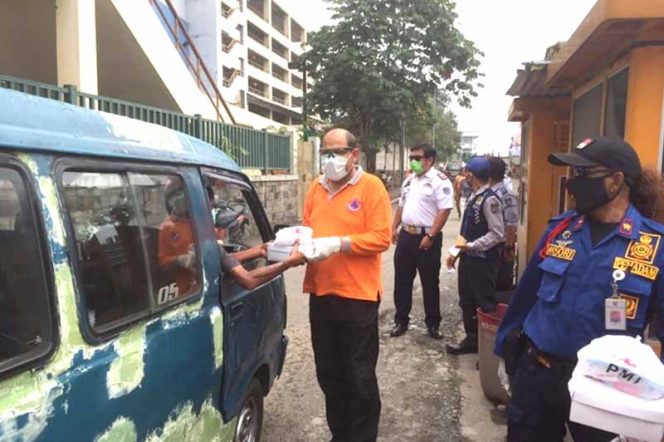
[(426, 395)]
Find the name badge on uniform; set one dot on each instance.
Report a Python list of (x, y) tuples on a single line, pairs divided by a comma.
[(615, 314), (615, 307)]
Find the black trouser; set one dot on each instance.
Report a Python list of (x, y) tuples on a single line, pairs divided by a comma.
[(539, 407), (505, 278), (344, 334), (477, 284), (408, 258)]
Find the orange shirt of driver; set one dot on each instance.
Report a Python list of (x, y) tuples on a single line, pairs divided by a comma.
[(175, 239)]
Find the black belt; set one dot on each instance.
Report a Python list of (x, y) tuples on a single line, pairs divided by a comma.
[(415, 230), (562, 367)]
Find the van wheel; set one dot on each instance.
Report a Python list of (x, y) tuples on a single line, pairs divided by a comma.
[(250, 420)]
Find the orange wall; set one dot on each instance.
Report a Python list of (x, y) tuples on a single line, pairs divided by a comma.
[(643, 125), (540, 175)]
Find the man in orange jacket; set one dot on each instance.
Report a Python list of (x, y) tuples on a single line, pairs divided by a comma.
[(350, 214)]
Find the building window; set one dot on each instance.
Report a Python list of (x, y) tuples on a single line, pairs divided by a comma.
[(279, 73), (135, 243), (26, 327), (255, 33), (257, 6), (258, 87), (258, 61), (280, 97), (259, 110), (616, 105), (279, 49), (587, 115), (297, 32), (279, 20), (280, 118), (296, 81)]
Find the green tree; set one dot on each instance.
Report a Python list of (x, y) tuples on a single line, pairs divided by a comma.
[(435, 125), (382, 60)]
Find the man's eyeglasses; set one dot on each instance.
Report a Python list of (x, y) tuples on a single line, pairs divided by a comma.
[(416, 157), (335, 151)]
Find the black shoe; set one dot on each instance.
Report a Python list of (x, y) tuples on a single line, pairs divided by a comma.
[(398, 330), (434, 332), (465, 347)]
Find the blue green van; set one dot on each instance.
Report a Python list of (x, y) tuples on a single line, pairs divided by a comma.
[(102, 337)]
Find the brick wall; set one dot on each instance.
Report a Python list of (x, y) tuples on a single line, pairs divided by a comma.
[(279, 195)]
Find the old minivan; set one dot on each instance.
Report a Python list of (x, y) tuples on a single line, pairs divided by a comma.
[(101, 336)]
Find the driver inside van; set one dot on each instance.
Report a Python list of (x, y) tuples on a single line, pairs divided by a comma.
[(177, 252)]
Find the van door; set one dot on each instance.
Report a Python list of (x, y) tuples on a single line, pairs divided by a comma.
[(145, 303), (254, 320)]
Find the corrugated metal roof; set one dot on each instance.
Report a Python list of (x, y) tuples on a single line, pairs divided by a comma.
[(531, 82), (34, 123)]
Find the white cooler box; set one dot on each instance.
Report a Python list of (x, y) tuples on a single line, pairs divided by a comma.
[(600, 406)]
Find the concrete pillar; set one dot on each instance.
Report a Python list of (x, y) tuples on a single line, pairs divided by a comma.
[(76, 34)]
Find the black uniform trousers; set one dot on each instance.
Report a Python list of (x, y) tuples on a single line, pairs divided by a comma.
[(477, 288), (344, 335), (539, 407), (409, 259)]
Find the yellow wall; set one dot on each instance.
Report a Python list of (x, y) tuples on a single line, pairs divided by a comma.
[(643, 125), (542, 178)]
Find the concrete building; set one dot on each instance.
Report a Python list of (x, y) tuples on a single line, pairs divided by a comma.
[(247, 45), (168, 62), (469, 144)]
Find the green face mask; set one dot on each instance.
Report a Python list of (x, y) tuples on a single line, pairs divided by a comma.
[(416, 167)]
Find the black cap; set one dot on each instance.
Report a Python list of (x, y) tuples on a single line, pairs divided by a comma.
[(612, 153)]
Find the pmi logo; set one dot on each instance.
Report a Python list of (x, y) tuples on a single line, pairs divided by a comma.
[(623, 374)]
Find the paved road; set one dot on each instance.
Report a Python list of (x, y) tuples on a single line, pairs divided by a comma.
[(426, 394)]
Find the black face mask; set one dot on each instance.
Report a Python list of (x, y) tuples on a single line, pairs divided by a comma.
[(589, 193)]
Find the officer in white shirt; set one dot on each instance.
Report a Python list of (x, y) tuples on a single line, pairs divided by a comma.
[(426, 200)]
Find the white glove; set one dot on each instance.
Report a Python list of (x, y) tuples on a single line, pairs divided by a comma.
[(321, 248)]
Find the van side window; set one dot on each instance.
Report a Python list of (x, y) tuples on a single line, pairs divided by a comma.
[(169, 235), (25, 315), (235, 224), (134, 243), (108, 245)]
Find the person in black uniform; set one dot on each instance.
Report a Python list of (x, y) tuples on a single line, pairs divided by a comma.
[(482, 231)]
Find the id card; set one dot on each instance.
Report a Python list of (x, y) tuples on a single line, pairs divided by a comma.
[(615, 314)]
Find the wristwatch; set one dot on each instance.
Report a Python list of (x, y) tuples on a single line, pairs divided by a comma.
[(428, 235)]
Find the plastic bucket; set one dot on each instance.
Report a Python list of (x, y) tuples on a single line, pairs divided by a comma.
[(488, 327)]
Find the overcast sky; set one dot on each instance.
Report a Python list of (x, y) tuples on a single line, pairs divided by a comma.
[(508, 32)]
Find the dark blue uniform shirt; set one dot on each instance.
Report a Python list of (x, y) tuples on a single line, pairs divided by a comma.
[(559, 301)]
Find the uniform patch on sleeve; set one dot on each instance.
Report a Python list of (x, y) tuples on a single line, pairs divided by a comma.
[(494, 207)]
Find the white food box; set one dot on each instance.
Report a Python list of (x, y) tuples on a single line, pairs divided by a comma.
[(597, 405), (278, 252)]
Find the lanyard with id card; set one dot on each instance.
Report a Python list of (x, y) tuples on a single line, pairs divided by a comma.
[(615, 308)]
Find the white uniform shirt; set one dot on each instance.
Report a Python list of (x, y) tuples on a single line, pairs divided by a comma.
[(422, 197)]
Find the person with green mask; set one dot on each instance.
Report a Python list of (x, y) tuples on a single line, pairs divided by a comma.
[(425, 203)]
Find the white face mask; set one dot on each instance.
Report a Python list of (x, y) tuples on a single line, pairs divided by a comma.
[(334, 167)]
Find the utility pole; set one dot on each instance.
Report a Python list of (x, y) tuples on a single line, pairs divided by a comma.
[(402, 149), (433, 129)]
